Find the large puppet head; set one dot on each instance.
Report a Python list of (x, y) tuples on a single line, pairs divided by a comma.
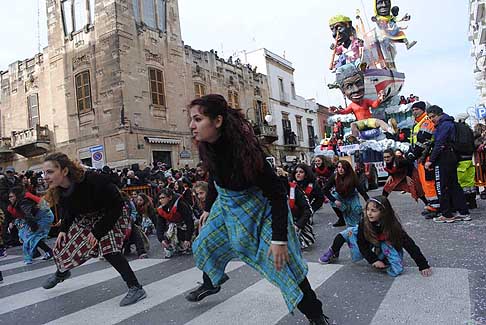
[(382, 8), (342, 29), (351, 82)]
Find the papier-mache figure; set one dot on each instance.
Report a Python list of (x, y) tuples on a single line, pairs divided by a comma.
[(350, 80), (386, 20), (347, 47)]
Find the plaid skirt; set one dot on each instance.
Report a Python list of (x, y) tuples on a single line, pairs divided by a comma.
[(350, 207), (76, 249), (239, 226)]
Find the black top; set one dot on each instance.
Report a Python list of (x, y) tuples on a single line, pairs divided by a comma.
[(303, 209), (95, 193), (332, 183), (268, 182), (316, 197), (187, 219), (407, 243)]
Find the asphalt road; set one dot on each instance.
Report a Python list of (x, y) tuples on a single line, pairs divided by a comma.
[(352, 293)]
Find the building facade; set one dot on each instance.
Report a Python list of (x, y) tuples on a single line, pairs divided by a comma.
[(294, 117), (112, 87), (477, 36)]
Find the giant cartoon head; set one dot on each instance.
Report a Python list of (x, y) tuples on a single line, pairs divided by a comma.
[(342, 29), (382, 7), (351, 82)]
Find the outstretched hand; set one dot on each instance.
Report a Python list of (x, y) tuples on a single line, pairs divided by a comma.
[(280, 255)]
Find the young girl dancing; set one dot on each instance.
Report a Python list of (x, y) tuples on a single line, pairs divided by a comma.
[(381, 230), (246, 214)]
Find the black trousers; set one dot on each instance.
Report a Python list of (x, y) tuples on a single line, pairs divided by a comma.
[(135, 238), (310, 305), (451, 195)]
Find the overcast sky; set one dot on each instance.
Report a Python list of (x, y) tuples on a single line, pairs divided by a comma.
[(438, 69)]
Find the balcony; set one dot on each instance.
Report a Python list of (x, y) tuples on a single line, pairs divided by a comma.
[(290, 139), (6, 152), (284, 98), (31, 142), (267, 133)]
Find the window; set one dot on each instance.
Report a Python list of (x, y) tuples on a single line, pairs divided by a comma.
[(161, 15), (77, 14), (148, 9), (233, 100), (199, 90), (281, 87), (310, 132), (33, 110), (292, 86), (83, 92), (300, 131), (136, 10), (67, 13), (157, 88), (289, 136)]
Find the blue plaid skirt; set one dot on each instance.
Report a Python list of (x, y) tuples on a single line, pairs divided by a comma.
[(386, 250), (239, 226), (350, 207)]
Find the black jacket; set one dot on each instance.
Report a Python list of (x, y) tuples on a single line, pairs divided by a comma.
[(94, 194), (407, 243), (316, 197), (302, 210), (187, 219)]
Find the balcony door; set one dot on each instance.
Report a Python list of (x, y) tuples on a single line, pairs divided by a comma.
[(33, 110)]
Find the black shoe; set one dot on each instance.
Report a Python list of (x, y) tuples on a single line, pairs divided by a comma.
[(134, 295), (202, 292), (56, 278), (321, 320), (1, 277), (36, 254), (339, 223)]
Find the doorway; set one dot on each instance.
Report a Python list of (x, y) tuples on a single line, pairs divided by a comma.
[(162, 156)]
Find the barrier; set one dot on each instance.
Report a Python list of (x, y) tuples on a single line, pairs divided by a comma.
[(146, 189)]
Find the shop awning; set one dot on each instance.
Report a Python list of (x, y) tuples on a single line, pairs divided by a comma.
[(159, 140)]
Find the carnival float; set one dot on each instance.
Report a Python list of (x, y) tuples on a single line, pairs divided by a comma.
[(364, 63)]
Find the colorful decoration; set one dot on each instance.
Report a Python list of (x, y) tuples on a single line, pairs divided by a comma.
[(348, 48)]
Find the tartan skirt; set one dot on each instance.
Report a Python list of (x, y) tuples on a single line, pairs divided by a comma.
[(76, 249), (239, 226)]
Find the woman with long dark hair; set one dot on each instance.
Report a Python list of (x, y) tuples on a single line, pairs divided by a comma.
[(92, 222), (246, 214)]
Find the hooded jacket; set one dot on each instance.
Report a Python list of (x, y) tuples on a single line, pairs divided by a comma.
[(444, 135)]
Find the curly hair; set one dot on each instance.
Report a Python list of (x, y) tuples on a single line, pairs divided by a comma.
[(237, 133), (391, 226), (75, 174)]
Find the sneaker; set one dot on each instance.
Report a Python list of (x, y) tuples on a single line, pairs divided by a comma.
[(142, 256), (28, 262), (443, 219), (3, 252), (321, 320), (134, 295), (1, 277), (328, 257), (47, 256), (411, 44), (55, 279), (202, 292), (463, 217), (169, 252)]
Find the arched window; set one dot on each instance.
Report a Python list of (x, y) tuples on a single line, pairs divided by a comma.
[(83, 92), (157, 87)]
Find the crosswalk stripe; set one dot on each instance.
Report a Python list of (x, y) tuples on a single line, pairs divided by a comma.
[(261, 303), (157, 293), (29, 275), (442, 298), (24, 299), (15, 265), (9, 257)]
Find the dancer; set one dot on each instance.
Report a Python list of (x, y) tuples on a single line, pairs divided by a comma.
[(379, 229), (246, 214), (92, 222), (306, 180), (301, 213), (175, 223), (33, 219), (344, 198)]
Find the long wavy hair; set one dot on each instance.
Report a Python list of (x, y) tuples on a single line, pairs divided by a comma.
[(390, 224), (347, 182), (147, 206), (75, 174), (238, 137)]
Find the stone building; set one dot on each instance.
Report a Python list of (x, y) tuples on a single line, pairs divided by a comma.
[(112, 87)]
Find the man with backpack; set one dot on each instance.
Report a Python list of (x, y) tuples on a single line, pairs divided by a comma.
[(448, 138), (466, 171)]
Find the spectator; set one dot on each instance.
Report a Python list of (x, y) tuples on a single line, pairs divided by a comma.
[(444, 161), (6, 184)]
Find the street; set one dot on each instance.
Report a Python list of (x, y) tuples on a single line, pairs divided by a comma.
[(351, 293)]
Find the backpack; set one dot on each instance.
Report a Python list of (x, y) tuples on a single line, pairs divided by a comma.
[(463, 144)]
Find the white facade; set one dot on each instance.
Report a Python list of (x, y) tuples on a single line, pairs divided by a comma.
[(477, 35), (285, 104)]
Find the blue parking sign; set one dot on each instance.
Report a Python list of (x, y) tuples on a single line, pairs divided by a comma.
[(481, 112)]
